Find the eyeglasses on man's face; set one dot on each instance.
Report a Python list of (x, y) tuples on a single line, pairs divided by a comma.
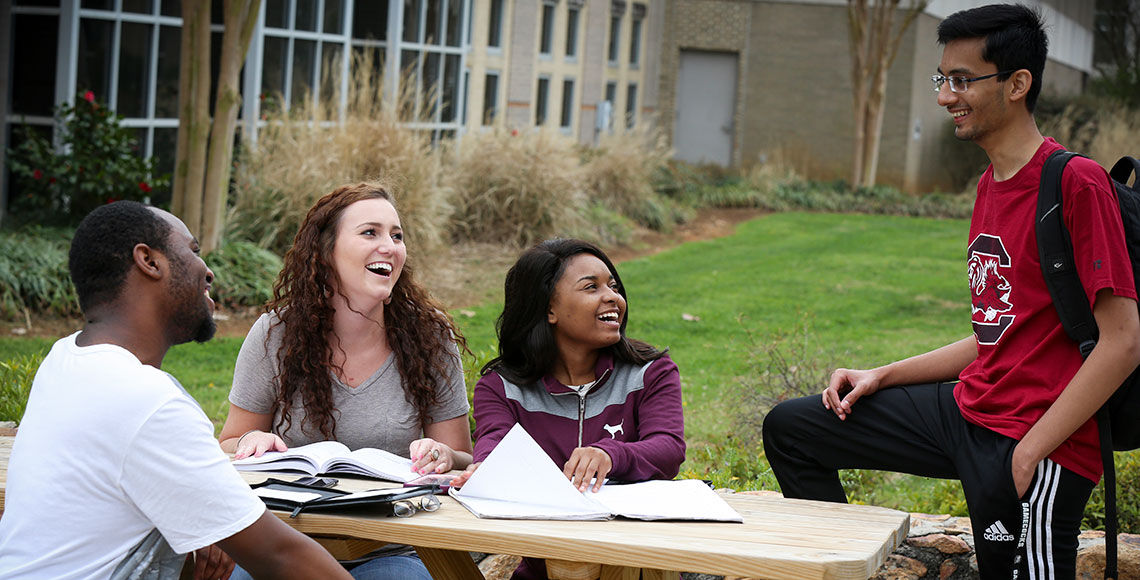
[(960, 84)]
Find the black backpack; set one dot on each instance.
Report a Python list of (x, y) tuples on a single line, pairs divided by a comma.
[(1119, 419)]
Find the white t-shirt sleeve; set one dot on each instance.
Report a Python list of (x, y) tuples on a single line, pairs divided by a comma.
[(177, 476)]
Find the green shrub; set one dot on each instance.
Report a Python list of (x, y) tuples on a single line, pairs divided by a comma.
[(98, 163), (1127, 496), (16, 376), (243, 274), (33, 274)]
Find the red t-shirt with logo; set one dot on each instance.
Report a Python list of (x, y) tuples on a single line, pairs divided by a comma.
[(1025, 359)]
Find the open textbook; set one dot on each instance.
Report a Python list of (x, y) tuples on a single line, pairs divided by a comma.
[(519, 481), (333, 457)]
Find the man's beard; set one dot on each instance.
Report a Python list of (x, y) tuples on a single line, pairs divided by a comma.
[(192, 319)]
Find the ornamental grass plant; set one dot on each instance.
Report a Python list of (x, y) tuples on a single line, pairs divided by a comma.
[(309, 150)]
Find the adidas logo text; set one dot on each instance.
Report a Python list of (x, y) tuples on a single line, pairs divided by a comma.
[(997, 533)]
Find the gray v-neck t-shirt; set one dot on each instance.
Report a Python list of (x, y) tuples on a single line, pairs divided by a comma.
[(374, 414)]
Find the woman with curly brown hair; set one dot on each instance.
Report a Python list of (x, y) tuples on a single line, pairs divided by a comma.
[(352, 349)]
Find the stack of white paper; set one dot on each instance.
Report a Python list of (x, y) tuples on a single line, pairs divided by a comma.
[(519, 481)]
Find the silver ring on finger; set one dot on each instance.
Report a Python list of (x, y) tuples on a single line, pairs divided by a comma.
[(435, 454)]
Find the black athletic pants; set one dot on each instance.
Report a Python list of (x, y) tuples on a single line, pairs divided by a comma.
[(919, 430)]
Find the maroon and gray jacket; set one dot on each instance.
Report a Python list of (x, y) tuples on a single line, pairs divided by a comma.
[(633, 413)]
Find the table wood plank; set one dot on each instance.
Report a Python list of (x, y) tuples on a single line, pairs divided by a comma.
[(780, 539)]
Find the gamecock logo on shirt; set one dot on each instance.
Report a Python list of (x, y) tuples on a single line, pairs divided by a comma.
[(989, 289)]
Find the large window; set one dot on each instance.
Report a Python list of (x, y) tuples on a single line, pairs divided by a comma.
[(303, 51), (567, 116), (542, 101), (431, 56), (128, 57)]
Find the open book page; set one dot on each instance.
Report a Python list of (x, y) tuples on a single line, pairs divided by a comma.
[(683, 499), (374, 463), (519, 481), (306, 458)]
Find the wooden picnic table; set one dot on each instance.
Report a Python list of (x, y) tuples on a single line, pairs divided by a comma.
[(779, 539)]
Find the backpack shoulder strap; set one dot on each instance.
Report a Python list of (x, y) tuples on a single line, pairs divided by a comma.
[(1055, 248)]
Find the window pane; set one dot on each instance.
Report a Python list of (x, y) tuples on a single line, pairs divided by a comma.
[(165, 144), (540, 101), (635, 42), (215, 64), (217, 12), (572, 32), (332, 61), (431, 86), (304, 61), (43, 3), (433, 32), (454, 20), (615, 37), (277, 13), (371, 56), (94, 67), (139, 6), (450, 88), (34, 39), (495, 32), (490, 98), (134, 69), (567, 103), (370, 20), (412, 20), (166, 89), (546, 34), (334, 16), (409, 83), (631, 106), (273, 73), (97, 4), (306, 15), (172, 7)]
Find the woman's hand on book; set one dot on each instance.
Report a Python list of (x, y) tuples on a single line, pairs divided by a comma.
[(588, 464), (431, 456), (255, 443)]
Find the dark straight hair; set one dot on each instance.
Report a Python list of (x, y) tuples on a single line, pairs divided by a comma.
[(527, 349), (1015, 39)]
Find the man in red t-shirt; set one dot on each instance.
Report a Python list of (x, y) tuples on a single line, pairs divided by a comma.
[(1017, 427)]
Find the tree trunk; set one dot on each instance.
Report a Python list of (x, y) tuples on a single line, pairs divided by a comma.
[(873, 50), (240, 18), (193, 112)]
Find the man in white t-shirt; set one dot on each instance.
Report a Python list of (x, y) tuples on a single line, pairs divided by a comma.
[(115, 472)]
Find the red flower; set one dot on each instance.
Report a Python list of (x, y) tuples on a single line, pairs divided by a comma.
[(51, 180), (514, 132), (143, 186), (37, 174), (89, 97), (112, 199)]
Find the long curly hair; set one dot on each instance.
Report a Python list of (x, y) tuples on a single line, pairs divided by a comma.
[(417, 327), (527, 349)]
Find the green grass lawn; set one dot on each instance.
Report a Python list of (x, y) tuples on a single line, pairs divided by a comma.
[(852, 290)]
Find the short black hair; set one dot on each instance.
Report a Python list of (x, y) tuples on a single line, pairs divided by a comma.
[(1015, 39), (527, 349), (102, 249)]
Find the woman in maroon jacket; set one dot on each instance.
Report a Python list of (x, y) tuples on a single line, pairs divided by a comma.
[(599, 403)]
